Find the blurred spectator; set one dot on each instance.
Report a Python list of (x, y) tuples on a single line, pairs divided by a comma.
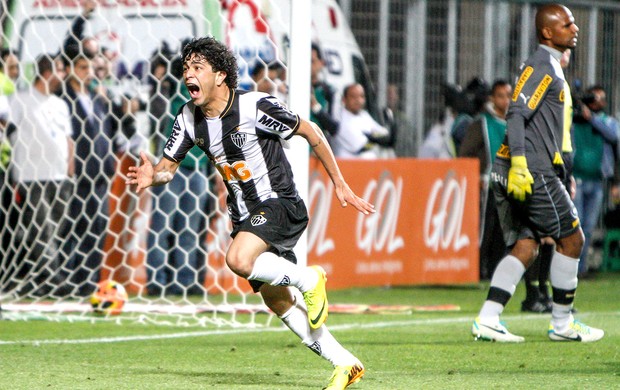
[(76, 42), (438, 143), (394, 118), (6, 188), (323, 100), (271, 79), (9, 75), (94, 166), (483, 138), (276, 72), (595, 137), (611, 219), (359, 135), (612, 215), (9, 71), (176, 256), (469, 104), (42, 164), (162, 86)]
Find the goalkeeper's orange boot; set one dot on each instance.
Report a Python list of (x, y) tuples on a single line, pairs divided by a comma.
[(316, 300), (343, 376)]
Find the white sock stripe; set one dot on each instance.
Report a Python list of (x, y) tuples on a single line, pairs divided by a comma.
[(507, 274)]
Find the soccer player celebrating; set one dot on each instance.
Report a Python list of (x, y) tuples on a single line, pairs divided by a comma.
[(527, 178), (241, 133)]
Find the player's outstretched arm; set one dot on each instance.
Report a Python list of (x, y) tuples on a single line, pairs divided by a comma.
[(311, 132), (145, 175)]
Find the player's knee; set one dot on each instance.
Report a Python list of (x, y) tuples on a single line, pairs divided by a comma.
[(239, 263), (572, 245), (526, 251)]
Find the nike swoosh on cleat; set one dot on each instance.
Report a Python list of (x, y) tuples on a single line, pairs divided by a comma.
[(314, 321), (493, 329), (578, 338)]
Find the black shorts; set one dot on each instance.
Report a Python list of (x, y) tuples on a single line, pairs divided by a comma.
[(279, 222), (549, 212)]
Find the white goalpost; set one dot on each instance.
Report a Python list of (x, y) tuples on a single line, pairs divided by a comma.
[(166, 246)]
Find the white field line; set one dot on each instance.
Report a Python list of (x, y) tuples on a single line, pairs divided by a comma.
[(178, 335)]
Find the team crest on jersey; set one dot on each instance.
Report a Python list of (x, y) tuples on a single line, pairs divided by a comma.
[(257, 220), (239, 139)]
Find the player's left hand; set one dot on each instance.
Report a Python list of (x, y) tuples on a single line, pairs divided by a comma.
[(346, 196)]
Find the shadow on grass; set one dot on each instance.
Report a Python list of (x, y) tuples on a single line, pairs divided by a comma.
[(230, 379)]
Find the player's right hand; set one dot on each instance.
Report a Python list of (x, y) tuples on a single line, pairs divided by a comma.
[(520, 179)]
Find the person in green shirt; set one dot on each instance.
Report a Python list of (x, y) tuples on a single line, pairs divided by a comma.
[(595, 137), (483, 138)]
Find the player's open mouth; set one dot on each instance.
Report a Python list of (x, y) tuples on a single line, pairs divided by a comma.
[(194, 90)]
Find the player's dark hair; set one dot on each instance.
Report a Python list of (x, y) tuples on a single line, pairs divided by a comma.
[(216, 54)]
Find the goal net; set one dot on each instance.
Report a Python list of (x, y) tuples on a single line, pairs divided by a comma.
[(61, 236)]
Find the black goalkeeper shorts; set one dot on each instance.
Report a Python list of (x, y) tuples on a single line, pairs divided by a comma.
[(549, 212)]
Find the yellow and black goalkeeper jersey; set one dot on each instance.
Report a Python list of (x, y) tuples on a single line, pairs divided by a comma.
[(244, 144), (540, 114)]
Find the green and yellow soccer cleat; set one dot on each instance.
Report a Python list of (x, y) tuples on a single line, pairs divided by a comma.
[(576, 331), (316, 300), (343, 376), (493, 331)]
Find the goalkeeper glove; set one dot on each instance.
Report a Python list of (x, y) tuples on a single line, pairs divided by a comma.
[(520, 179)]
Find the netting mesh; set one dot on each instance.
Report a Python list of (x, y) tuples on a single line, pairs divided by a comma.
[(68, 221)]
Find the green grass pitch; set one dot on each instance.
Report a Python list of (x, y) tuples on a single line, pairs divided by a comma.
[(419, 350)]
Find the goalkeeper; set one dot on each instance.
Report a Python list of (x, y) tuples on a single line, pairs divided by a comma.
[(242, 133), (527, 180)]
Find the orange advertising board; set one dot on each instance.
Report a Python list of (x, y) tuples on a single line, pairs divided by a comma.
[(425, 230)]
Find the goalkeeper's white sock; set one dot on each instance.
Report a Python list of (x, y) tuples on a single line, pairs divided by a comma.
[(503, 285), (563, 277), (320, 340), (277, 271)]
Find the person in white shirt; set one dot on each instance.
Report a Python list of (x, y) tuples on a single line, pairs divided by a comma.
[(359, 135), (41, 167)]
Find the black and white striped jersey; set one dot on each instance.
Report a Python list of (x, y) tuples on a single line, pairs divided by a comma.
[(244, 144)]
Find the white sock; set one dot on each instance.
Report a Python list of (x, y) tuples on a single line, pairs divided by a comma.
[(506, 276), (277, 271), (563, 275), (320, 340)]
